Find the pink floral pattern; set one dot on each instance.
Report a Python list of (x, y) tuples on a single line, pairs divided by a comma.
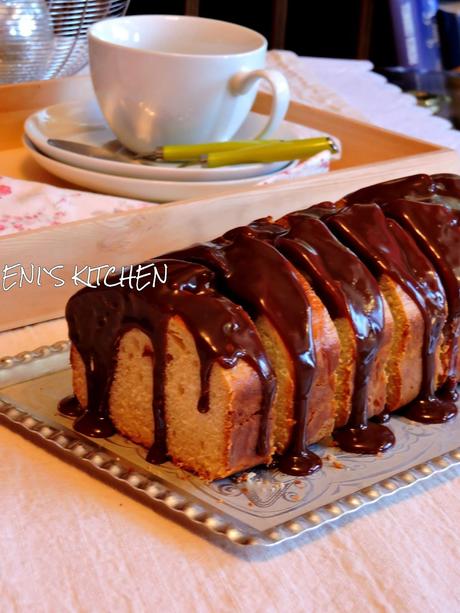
[(25, 205), (5, 190)]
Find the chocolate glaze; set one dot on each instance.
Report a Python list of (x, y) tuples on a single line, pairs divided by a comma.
[(436, 229), (446, 184), (255, 274), (443, 190), (222, 331), (439, 188), (94, 318), (447, 191), (349, 291), (387, 249), (70, 407), (321, 210), (382, 418), (415, 186)]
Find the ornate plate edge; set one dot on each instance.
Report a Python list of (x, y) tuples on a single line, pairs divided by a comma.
[(83, 451), (44, 351)]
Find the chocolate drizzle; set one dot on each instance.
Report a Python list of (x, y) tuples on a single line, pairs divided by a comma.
[(349, 291), (416, 187), (388, 249), (94, 319), (436, 229), (437, 233), (257, 276), (222, 331), (437, 189)]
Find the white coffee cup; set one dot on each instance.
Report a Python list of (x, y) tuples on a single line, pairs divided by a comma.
[(164, 79)]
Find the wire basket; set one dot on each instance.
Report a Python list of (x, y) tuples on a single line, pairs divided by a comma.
[(43, 39)]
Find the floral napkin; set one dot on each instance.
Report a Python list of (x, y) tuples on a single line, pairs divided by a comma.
[(27, 205)]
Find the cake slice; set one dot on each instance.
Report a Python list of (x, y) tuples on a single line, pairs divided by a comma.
[(436, 230), (403, 365), (362, 320), (388, 250), (442, 190), (296, 330), (447, 190), (360, 313), (177, 368)]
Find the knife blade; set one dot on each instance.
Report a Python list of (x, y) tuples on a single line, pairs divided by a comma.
[(102, 152)]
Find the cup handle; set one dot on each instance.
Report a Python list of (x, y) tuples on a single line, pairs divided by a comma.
[(242, 81)]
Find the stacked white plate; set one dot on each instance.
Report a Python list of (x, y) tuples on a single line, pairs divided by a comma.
[(155, 181)]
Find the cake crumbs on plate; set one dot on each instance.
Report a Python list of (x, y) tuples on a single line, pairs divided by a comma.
[(183, 475), (243, 477), (334, 462)]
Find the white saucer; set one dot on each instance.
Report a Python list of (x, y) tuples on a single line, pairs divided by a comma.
[(83, 122), (143, 189)]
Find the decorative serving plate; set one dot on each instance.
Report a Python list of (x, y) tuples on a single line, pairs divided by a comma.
[(261, 506)]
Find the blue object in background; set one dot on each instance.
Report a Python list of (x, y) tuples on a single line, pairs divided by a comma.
[(449, 31), (429, 45), (405, 32), (416, 33)]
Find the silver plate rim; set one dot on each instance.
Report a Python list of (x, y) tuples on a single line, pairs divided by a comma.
[(184, 505)]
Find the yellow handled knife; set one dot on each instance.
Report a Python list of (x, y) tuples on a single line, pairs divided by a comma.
[(270, 152)]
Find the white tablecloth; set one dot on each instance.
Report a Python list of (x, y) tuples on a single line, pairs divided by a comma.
[(70, 543)]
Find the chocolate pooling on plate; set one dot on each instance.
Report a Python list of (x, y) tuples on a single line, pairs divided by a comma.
[(70, 407)]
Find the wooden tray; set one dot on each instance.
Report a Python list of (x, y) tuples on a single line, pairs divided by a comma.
[(370, 154)]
